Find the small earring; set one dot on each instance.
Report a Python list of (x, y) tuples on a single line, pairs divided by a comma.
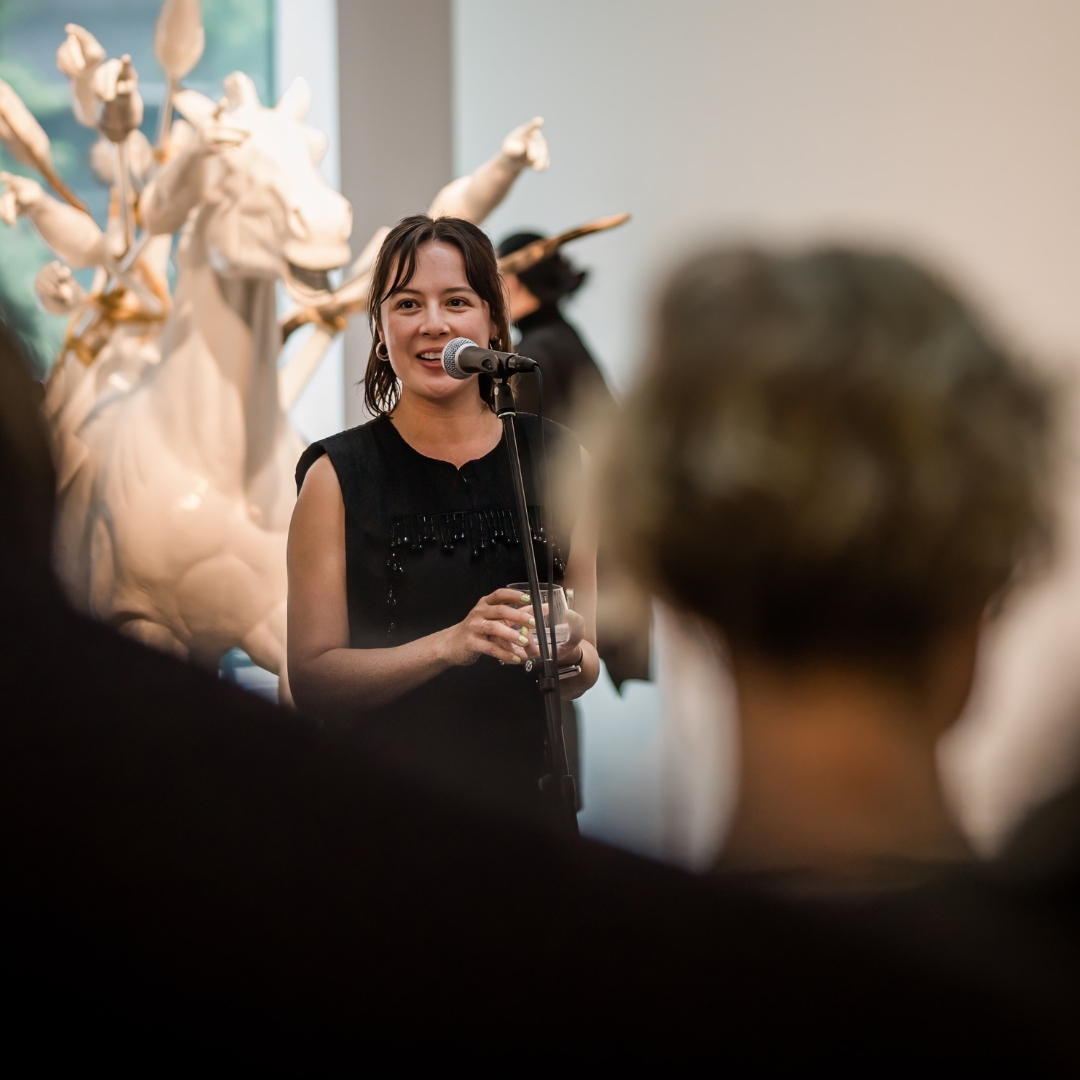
[(384, 354)]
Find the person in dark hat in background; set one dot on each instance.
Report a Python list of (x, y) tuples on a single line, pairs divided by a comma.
[(573, 384), (571, 375)]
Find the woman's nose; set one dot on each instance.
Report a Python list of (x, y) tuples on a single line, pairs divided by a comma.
[(435, 322)]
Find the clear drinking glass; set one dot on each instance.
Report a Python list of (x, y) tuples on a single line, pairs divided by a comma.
[(556, 612)]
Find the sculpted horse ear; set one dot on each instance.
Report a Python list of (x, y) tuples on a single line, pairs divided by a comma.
[(295, 104), (197, 109), (316, 144), (296, 101), (240, 92)]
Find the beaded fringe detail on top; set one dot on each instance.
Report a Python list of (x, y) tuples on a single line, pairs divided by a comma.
[(480, 529)]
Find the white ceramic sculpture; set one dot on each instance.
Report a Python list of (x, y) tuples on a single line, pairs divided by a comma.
[(175, 456)]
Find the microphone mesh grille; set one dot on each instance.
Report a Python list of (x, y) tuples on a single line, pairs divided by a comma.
[(449, 356)]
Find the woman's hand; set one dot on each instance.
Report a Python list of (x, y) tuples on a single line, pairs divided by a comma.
[(498, 626), (569, 653)]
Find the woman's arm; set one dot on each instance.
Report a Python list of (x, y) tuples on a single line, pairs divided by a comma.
[(324, 672), (581, 577)]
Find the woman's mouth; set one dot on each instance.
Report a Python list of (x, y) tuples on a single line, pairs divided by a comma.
[(431, 356)]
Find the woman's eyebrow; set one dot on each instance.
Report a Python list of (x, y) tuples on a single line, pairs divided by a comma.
[(419, 292)]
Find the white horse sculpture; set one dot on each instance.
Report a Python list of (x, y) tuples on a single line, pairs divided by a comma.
[(176, 476)]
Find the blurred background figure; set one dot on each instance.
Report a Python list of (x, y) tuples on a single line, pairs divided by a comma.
[(830, 460), (573, 388), (571, 375)]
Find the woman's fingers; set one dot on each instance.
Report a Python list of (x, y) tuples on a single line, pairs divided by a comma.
[(508, 654), (510, 597), (508, 636), (493, 637), (501, 623), (568, 652), (496, 626), (518, 616), (497, 629), (577, 627)]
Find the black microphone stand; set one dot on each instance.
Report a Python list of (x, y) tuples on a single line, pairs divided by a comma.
[(560, 782)]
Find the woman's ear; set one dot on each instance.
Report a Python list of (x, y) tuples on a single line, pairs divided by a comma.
[(378, 338)]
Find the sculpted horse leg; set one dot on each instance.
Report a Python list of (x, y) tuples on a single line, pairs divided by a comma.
[(155, 635), (265, 644)]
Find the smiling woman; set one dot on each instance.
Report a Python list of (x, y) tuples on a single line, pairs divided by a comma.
[(404, 539), (458, 254)]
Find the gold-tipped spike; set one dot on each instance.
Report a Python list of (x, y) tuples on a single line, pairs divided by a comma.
[(28, 143), (538, 250)]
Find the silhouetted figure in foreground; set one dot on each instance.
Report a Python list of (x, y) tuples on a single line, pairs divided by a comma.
[(1043, 854), (831, 461), (191, 875)]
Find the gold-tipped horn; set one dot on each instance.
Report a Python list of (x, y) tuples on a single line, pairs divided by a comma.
[(26, 140), (538, 250), (61, 189)]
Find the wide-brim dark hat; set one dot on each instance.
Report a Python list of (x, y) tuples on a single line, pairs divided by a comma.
[(516, 241), (549, 279), (540, 266)]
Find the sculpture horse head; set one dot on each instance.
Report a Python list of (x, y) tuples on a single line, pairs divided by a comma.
[(266, 211)]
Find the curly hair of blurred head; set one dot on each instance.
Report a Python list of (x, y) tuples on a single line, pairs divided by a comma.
[(828, 455)]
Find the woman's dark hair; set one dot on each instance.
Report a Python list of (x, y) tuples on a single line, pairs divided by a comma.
[(394, 269), (551, 279), (829, 455)]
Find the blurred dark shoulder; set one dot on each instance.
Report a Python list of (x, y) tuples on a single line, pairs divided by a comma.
[(1042, 857), (571, 375)]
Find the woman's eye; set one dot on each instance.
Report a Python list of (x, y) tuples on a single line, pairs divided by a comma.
[(405, 305), (458, 301)]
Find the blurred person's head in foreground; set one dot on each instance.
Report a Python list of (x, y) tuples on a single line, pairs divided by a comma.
[(27, 481), (831, 460), (545, 284)]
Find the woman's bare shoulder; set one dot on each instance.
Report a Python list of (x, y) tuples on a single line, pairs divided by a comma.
[(321, 490), (317, 529)]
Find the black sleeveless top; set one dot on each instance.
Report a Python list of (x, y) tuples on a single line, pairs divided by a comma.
[(424, 541)]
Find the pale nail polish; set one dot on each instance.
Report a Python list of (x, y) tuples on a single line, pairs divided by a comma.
[(526, 598), (517, 659), (523, 639), (532, 621)]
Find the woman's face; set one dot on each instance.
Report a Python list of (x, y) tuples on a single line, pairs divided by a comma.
[(435, 307)]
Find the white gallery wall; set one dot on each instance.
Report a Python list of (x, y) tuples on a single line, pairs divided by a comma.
[(947, 128), (305, 45)]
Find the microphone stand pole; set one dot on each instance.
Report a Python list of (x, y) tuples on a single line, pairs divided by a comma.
[(559, 782)]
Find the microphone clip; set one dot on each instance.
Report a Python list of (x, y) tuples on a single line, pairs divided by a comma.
[(516, 363)]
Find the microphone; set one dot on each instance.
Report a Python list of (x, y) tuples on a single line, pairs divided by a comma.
[(462, 358)]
